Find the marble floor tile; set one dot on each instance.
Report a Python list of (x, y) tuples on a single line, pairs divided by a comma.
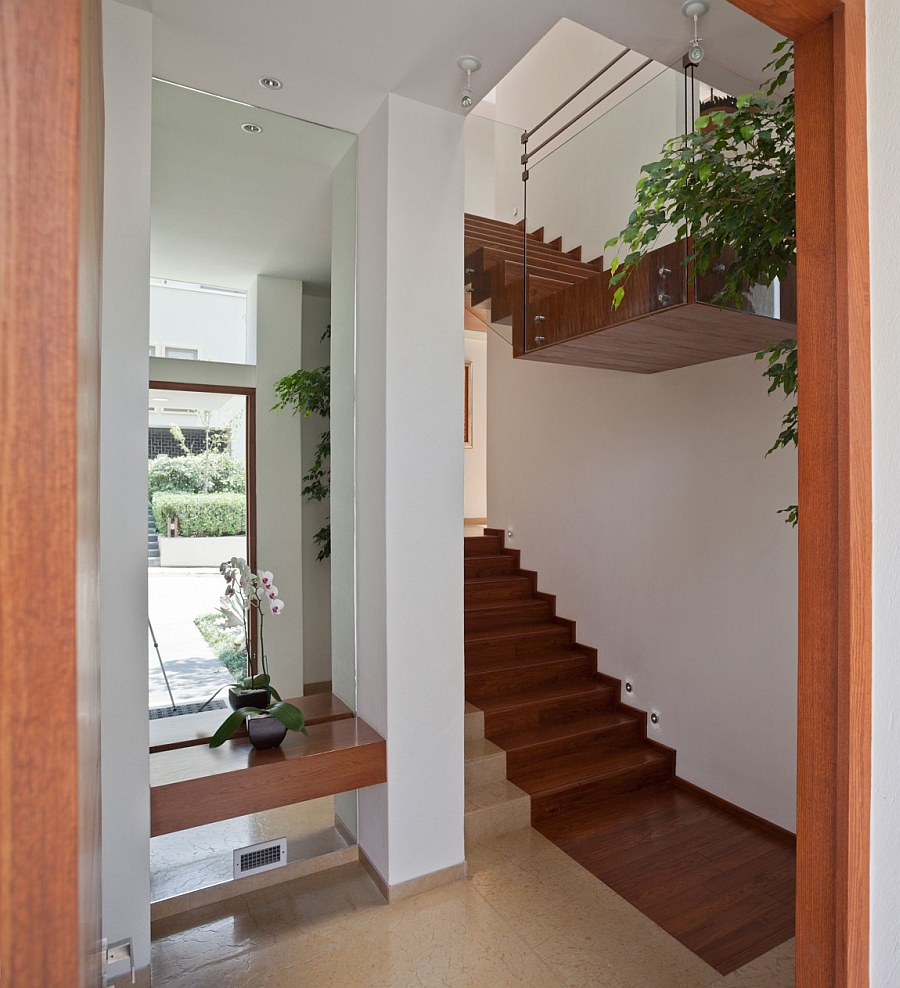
[(527, 917)]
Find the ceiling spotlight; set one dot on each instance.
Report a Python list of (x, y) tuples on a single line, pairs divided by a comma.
[(695, 9), (251, 128), (269, 82), (468, 64)]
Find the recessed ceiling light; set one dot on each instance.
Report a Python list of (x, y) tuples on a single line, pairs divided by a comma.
[(251, 128), (269, 82)]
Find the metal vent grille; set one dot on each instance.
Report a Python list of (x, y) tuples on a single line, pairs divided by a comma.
[(260, 857)]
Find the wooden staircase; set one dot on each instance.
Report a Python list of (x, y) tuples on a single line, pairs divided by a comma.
[(569, 741), (668, 319)]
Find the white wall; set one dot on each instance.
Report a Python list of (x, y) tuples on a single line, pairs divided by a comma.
[(123, 479), (481, 166), (275, 312), (584, 190), (884, 174), (646, 504), (475, 459), (213, 323), (409, 484), (316, 573)]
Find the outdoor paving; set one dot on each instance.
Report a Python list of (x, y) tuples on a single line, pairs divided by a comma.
[(176, 597)]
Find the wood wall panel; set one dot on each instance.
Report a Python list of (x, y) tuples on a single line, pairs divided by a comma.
[(49, 164)]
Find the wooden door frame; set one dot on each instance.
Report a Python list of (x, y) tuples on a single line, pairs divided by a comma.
[(249, 395), (835, 488)]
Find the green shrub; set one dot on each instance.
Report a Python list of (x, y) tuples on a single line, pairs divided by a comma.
[(224, 644), (199, 473), (201, 514)]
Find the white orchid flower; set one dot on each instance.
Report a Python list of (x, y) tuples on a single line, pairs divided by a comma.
[(266, 578), (276, 606), (272, 592)]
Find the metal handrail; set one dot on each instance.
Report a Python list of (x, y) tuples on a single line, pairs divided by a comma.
[(530, 133), (587, 109)]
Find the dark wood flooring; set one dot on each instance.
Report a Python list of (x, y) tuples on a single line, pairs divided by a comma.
[(715, 881)]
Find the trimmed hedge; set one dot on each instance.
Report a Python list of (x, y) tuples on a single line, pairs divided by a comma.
[(201, 515), (200, 473)]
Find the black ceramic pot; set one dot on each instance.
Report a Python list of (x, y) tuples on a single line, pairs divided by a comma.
[(265, 731), (248, 698)]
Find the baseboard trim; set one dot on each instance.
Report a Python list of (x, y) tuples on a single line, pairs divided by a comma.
[(738, 811), (310, 689), (474, 521), (415, 886)]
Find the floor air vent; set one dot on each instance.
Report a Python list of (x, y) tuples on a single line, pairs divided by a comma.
[(254, 858)]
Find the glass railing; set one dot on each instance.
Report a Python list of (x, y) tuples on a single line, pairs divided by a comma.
[(582, 167)]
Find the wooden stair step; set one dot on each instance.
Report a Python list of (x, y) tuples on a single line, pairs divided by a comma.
[(484, 617), (614, 728), (491, 254), (496, 588), (482, 545), (489, 565), (542, 705), (515, 639), (590, 776), (508, 675)]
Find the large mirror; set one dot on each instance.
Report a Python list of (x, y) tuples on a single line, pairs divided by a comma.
[(241, 258)]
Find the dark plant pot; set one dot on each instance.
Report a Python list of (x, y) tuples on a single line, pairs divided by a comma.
[(265, 731), (248, 698)]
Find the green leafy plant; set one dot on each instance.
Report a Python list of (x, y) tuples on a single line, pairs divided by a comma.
[(248, 593), (217, 473), (309, 392), (201, 515), (730, 186)]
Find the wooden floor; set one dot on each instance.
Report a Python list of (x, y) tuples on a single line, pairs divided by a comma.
[(717, 883)]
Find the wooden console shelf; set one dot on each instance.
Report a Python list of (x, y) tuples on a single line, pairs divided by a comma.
[(180, 732), (195, 785)]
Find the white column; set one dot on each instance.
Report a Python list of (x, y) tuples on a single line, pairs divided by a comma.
[(127, 39), (409, 468), (276, 306)]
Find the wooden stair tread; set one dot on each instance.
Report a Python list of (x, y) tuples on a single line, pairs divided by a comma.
[(604, 721), (507, 632), (503, 579), (577, 688), (514, 664), (561, 772)]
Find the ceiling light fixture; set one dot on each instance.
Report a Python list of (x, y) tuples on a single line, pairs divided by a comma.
[(695, 9), (468, 64), (251, 128), (269, 82)]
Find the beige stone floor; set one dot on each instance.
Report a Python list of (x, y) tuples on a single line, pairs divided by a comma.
[(527, 916)]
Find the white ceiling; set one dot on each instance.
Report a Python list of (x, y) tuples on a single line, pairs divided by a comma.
[(339, 58), (226, 205)]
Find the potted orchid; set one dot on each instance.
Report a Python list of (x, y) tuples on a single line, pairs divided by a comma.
[(251, 696)]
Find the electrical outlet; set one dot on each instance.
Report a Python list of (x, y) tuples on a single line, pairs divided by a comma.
[(119, 961)]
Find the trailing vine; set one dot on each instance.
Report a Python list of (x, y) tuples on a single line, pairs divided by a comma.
[(309, 392)]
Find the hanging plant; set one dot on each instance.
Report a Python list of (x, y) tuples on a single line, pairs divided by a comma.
[(730, 186)]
